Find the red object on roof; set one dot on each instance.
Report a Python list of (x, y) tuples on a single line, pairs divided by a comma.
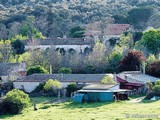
[(120, 80), (134, 84), (23, 73)]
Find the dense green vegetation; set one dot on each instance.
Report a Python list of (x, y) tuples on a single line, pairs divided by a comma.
[(56, 17), (21, 20), (36, 69), (14, 102)]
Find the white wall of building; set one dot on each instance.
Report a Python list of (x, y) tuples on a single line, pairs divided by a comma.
[(27, 86), (30, 86)]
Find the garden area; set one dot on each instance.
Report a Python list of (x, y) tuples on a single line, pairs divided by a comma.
[(48, 110)]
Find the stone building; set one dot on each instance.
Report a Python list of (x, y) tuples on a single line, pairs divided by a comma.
[(11, 71)]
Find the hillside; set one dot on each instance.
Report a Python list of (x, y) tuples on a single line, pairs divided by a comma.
[(56, 17)]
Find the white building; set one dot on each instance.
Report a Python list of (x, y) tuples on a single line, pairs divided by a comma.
[(12, 71), (79, 45), (29, 83)]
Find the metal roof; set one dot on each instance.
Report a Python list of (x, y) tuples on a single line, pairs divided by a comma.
[(91, 78), (5, 68), (62, 41), (94, 91)]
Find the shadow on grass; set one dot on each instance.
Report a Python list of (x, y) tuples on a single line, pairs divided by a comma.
[(73, 105), (6, 116), (136, 96), (42, 99), (148, 101)]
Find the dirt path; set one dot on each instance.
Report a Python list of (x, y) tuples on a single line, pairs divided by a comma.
[(137, 100)]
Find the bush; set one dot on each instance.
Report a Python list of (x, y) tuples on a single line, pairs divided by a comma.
[(15, 101), (153, 69), (2, 108), (51, 87), (36, 69), (72, 87), (156, 87), (39, 88), (65, 70), (18, 46), (150, 95)]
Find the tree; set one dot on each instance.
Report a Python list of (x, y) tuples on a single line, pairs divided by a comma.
[(151, 40), (5, 50), (132, 61), (151, 59), (97, 57), (126, 40), (18, 47), (3, 32), (156, 87), (149, 85), (36, 69), (16, 101), (28, 27), (52, 85), (114, 58), (77, 32), (72, 87), (154, 69), (65, 70), (108, 80), (139, 16), (54, 58)]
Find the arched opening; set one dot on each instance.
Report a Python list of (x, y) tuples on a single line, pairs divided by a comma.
[(62, 51), (87, 50), (72, 51)]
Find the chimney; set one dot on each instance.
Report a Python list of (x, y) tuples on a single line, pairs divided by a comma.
[(50, 69)]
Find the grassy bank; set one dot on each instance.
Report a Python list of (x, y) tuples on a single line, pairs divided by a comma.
[(86, 111)]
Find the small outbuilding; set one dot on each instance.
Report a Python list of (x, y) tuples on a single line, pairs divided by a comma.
[(100, 93)]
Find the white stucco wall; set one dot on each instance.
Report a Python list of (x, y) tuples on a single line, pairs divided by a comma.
[(30, 86), (77, 48)]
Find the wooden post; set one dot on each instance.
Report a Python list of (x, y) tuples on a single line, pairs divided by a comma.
[(34, 106)]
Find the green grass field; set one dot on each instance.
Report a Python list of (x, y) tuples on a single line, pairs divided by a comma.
[(87, 111)]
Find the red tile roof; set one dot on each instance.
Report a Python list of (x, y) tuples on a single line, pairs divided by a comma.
[(116, 29)]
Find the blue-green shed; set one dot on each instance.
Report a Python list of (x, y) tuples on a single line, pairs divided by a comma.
[(93, 96)]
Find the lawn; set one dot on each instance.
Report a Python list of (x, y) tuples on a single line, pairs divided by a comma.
[(86, 111)]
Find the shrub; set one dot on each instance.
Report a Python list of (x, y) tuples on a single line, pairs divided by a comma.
[(2, 108), (65, 70), (36, 69), (72, 87), (15, 101), (39, 88), (18, 46), (153, 69), (51, 87), (156, 88), (132, 61), (108, 80), (150, 95)]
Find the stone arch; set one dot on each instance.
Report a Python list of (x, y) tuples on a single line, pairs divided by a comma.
[(72, 51), (62, 51), (87, 50)]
